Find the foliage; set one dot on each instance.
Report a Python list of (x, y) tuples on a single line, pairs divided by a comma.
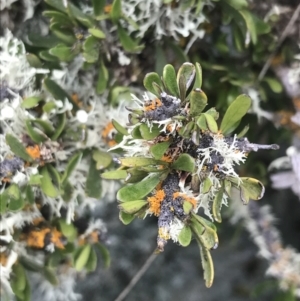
[(64, 90)]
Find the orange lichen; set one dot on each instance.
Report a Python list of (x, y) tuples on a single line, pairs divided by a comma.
[(277, 60), (185, 197), (36, 238), (57, 238), (155, 202), (106, 134), (163, 233), (94, 236), (74, 96), (150, 106), (33, 151), (107, 8), (3, 259), (167, 158), (158, 186)]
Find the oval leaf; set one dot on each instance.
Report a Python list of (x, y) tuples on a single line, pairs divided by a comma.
[(169, 78), (46, 184), (17, 147), (198, 101), (185, 236), (184, 162), (133, 207), (151, 78), (126, 218), (82, 257), (235, 113), (139, 190)]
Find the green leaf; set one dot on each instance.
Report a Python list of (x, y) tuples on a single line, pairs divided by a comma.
[(114, 175), (169, 79), (91, 264), (185, 236), (63, 52), (251, 189), (116, 11), (198, 101), (207, 265), (93, 185), (68, 230), (217, 204), (35, 134), (136, 175), (274, 84), (97, 33), (102, 80), (151, 78), (29, 194), (102, 158), (73, 162), (185, 131), (46, 126), (139, 190), (119, 127), (207, 184), (57, 92), (104, 254), (136, 134), (158, 150), (46, 56), (16, 205), (39, 41), (17, 147), (198, 81), (250, 23), (132, 207), (98, 6), (184, 162), (67, 191), (31, 102), (72, 10), (188, 74), (4, 199), (127, 42), (237, 4), (19, 280), (209, 236), (64, 34), (83, 257), (211, 123), (126, 218), (147, 133), (62, 120), (46, 184), (13, 192), (237, 109), (139, 161), (91, 48), (33, 60), (49, 106), (49, 274), (213, 113), (187, 207), (201, 122)]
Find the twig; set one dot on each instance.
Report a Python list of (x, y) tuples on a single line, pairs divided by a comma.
[(137, 277), (281, 39)]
